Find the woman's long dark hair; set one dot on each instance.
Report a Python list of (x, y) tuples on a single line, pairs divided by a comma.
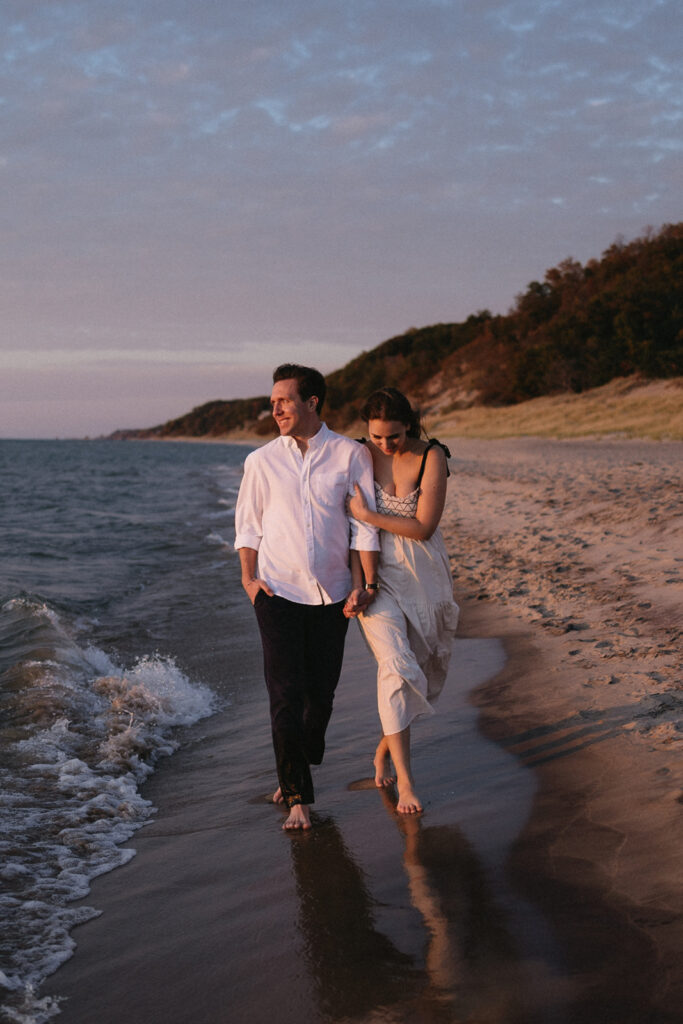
[(391, 404)]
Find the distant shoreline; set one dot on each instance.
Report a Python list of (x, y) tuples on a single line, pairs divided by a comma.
[(626, 408)]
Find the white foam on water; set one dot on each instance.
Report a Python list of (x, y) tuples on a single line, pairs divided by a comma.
[(228, 512), (215, 538), (84, 734)]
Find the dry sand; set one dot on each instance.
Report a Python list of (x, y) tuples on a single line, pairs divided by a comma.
[(571, 553)]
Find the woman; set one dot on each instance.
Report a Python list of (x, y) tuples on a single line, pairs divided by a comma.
[(410, 625)]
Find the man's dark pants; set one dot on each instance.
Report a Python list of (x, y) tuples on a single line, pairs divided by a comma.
[(303, 648)]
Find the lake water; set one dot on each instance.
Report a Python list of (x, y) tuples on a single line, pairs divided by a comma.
[(120, 620)]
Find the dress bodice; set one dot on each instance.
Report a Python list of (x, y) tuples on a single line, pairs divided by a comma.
[(390, 505)]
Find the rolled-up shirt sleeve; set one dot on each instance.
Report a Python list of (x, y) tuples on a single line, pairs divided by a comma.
[(249, 509), (363, 536)]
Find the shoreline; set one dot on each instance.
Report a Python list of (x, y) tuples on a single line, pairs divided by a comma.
[(363, 912), (626, 408), (599, 855), (255, 440)]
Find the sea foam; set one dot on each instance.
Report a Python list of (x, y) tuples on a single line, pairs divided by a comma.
[(80, 733)]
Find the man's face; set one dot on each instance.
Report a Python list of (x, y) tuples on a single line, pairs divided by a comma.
[(294, 417)]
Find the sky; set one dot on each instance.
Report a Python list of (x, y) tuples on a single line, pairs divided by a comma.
[(194, 191)]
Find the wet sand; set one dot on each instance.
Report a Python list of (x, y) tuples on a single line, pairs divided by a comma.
[(371, 916), (542, 884)]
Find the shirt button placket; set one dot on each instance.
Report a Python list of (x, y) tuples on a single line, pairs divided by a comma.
[(308, 513)]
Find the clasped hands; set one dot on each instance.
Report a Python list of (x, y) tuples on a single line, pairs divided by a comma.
[(358, 601)]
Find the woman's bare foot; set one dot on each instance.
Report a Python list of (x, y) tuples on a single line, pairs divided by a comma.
[(299, 818), (398, 744), (383, 777), (382, 763), (278, 797), (408, 802)]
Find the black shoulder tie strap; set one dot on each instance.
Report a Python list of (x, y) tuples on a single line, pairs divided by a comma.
[(432, 443)]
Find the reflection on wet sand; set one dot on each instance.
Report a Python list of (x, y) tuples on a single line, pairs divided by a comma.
[(464, 968), (355, 969)]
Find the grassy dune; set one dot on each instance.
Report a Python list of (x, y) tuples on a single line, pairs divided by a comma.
[(625, 407)]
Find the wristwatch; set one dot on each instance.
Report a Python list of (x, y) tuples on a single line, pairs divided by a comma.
[(372, 586)]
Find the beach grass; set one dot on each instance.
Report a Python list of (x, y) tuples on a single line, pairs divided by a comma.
[(626, 408)]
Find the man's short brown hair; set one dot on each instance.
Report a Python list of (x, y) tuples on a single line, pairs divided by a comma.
[(310, 383)]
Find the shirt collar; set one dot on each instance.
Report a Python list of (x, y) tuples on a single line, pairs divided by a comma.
[(318, 440), (314, 442)]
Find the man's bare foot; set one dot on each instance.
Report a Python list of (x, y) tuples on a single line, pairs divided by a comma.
[(278, 797), (299, 818), (408, 802)]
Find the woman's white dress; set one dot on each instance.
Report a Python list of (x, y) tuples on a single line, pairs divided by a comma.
[(410, 625)]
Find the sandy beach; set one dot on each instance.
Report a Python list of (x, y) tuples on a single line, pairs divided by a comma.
[(572, 551), (544, 881)]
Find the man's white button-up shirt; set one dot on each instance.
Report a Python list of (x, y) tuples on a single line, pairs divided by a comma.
[(291, 508)]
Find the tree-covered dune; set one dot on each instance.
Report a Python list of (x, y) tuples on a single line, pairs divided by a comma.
[(579, 328)]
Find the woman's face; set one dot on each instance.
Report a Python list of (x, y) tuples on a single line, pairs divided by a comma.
[(388, 435)]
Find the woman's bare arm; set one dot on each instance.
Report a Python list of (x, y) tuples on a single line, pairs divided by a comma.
[(429, 505)]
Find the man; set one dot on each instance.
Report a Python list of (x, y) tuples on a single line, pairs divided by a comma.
[(294, 537)]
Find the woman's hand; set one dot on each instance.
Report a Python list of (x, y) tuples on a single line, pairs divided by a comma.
[(357, 506)]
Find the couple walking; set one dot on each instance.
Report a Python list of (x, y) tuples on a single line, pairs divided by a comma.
[(328, 529)]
